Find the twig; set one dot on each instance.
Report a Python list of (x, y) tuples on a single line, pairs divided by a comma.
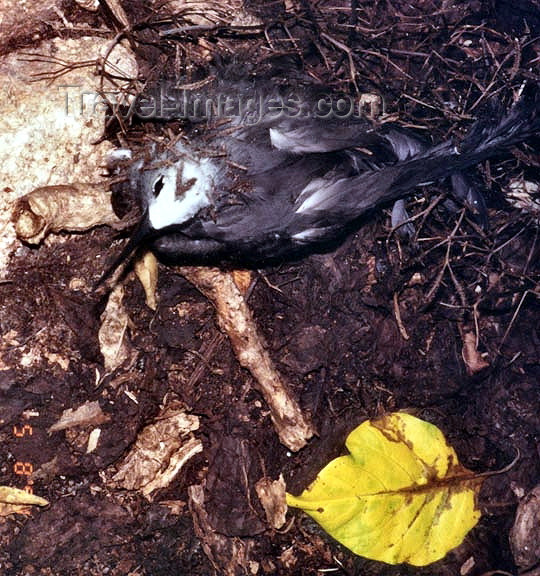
[(397, 314), (440, 275), (236, 320), (514, 316)]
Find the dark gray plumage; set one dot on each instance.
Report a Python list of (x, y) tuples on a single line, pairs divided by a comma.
[(264, 187)]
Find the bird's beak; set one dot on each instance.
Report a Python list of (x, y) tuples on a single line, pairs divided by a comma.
[(115, 271)]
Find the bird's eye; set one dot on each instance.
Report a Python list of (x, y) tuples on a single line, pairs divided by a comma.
[(158, 186)]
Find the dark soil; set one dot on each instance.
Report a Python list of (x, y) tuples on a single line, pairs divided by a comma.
[(330, 323)]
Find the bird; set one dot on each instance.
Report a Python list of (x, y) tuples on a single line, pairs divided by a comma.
[(266, 174)]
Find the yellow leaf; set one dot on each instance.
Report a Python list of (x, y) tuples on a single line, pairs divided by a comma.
[(401, 495)]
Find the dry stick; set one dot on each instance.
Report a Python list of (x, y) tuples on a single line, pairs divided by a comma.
[(235, 319), (399, 321), (515, 315), (205, 354), (448, 241), (348, 51)]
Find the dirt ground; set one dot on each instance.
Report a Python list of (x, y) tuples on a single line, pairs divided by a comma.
[(444, 325)]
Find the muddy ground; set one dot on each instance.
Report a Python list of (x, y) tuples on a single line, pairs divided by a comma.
[(378, 325)]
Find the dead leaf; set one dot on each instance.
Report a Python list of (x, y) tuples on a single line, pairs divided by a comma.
[(146, 270), (271, 493), (70, 207), (113, 342), (525, 533), (229, 556), (160, 452), (474, 362), (16, 501), (89, 413), (242, 279)]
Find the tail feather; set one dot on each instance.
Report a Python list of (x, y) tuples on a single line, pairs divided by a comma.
[(492, 135), (332, 202)]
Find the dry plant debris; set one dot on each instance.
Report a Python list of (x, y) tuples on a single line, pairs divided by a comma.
[(113, 341), (228, 556), (146, 269), (87, 414), (15, 501), (271, 493), (160, 452), (68, 207), (525, 533)]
